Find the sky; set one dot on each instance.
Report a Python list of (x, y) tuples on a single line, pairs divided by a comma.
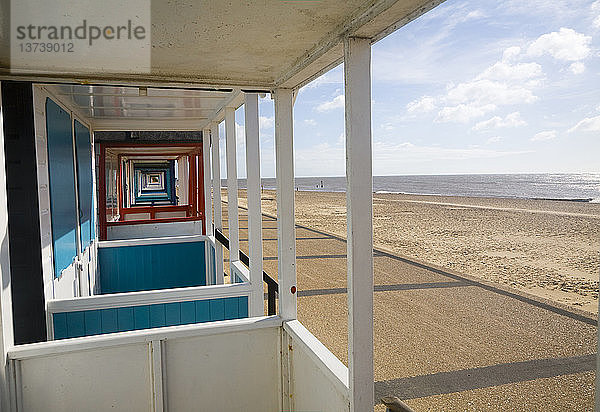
[(470, 87)]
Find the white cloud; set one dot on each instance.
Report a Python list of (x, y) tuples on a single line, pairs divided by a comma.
[(421, 105), (463, 113), (577, 67), (310, 122), (596, 22), (266, 122), (542, 136), (510, 53), (505, 71), (494, 139), (485, 92), (589, 124), (511, 120), (565, 44), (336, 103)]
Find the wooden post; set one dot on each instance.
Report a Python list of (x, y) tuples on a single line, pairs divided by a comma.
[(120, 189), (359, 199), (286, 231), (206, 173), (216, 184), (254, 206), (232, 187), (200, 189), (6, 315), (192, 183)]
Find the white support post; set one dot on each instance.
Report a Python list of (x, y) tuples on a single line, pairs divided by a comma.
[(207, 194), (254, 207), (232, 188), (6, 322), (359, 200), (286, 230), (216, 184)]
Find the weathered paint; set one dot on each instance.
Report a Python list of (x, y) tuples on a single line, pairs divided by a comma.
[(149, 267)]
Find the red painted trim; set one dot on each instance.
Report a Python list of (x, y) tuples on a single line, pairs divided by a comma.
[(156, 209), (147, 221)]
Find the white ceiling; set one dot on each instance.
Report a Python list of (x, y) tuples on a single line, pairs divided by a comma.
[(259, 44)]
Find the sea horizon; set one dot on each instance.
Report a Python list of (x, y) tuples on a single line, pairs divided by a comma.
[(580, 187)]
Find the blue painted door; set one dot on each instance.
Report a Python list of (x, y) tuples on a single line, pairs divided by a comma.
[(61, 171)]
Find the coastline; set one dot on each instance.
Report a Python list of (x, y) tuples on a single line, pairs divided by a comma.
[(547, 248)]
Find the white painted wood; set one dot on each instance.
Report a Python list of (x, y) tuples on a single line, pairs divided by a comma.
[(207, 179), (359, 199), (326, 361), (39, 98), (6, 315), (286, 230), (216, 184), (233, 372), (319, 380), (57, 347), (182, 178), (155, 352), (78, 259), (102, 379), (151, 241), (232, 185), (148, 230), (243, 273), (255, 252), (148, 297)]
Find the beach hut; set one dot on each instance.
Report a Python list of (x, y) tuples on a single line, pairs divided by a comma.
[(113, 292)]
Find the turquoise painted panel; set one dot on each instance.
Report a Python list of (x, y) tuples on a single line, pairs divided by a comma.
[(125, 319), (109, 320), (60, 325), (213, 266), (83, 150), (217, 309), (188, 312), (61, 173), (93, 322), (157, 316), (230, 310), (76, 323), (97, 322), (141, 316), (242, 307), (203, 311), (173, 314), (149, 267)]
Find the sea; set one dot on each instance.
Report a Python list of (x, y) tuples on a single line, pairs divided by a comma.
[(580, 187)]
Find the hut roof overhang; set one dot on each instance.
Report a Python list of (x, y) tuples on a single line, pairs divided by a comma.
[(261, 45)]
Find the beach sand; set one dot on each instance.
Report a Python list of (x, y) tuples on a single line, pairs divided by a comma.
[(550, 249)]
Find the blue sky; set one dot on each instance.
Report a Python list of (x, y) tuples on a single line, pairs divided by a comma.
[(470, 87)]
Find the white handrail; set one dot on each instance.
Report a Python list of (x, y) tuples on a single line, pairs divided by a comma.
[(147, 297)]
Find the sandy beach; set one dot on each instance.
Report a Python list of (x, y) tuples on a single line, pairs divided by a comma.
[(550, 249)]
